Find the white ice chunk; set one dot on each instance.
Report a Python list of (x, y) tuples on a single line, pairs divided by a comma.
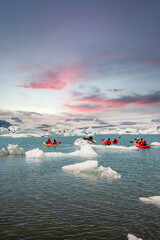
[(85, 151), (3, 152), (132, 237), (14, 150), (84, 141), (13, 128), (151, 200), (87, 165), (35, 153), (90, 169), (155, 144), (114, 147), (108, 173)]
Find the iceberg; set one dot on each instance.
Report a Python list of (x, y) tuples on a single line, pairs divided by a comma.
[(151, 200), (90, 169), (157, 144), (85, 140), (108, 173), (132, 237), (35, 153), (87, 165), (3, 152), (114, 147), (85, 151), (14, 150)]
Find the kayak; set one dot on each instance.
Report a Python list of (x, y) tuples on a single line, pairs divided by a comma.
[(50, 144), (142, 146), (106, 144)]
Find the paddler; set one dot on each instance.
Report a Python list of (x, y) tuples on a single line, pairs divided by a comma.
[(138, 140), (54, 141), (108, 141), (143, 143), (48, 141), (115, 140)]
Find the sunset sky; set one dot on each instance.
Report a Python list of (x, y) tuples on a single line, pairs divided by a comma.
[(80, 58)]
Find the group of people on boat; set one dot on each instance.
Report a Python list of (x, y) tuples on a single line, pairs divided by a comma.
[(141, 142), (49, 141), (108, 141)]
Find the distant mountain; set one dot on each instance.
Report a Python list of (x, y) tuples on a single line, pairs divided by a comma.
[(156, 120), (128, 123), (16, 119), (85, 120), (79, 119), (5, 124)]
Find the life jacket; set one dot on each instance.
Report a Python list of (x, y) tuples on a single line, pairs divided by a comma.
[(48, 141), (115, 140), (143, 143), (107, 142)]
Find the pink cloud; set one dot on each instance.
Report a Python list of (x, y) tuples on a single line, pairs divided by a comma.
[(57, 80), (153, 61), (115, 90), (85, 108), (98, 104), (107, 103)]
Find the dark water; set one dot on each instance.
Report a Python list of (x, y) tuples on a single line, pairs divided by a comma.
[(38, 200)]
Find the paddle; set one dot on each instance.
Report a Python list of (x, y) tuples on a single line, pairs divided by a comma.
[(59, 142)]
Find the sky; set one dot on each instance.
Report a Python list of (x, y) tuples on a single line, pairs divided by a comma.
[(66, 59)]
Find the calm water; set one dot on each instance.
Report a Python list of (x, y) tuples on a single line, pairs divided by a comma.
[(38, 200)]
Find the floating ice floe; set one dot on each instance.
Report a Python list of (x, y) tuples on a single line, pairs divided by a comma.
[(85, 140), (12, 150), (114, 147), (35, 153), (15, 150), (132, 237), (90, 169), (157, 144), (85, 151), (151, 200), (87, 165), (13, 129), (3, 152)]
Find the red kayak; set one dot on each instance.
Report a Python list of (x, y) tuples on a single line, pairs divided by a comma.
[(142, 146), (50, 144)]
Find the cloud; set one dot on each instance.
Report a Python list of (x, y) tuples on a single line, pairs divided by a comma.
[(85, 108), (115, 90), (99, 103), (153, 61), (58, 79)]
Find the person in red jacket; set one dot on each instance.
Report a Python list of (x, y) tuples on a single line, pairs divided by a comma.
[(108, 142), (54, 141), (143, 143), (115, 141), (48, 141), (138, 141)]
